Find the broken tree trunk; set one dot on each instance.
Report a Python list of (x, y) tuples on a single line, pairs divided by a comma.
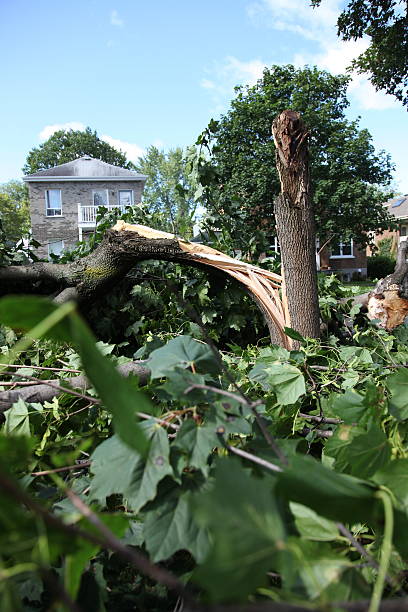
[(388, 302), (122, 247), (295, 223)]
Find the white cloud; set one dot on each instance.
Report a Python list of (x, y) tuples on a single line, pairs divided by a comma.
[(228, 74), (49, 130), (116, 20), (319, 25), (132, 151)]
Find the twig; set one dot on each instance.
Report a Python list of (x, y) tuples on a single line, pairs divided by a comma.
[(253, 458), (320, 433), (360, 548), (80, 466), (34, 367), (319, 419), (233, 396), (141, 562), (108, 540), (53, 385)]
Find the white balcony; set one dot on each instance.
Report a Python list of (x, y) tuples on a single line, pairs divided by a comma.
[(87, 214)]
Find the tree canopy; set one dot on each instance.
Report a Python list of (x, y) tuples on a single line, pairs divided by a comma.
[(168, 190), (14, 210), (385, 22), (240, 177), (65, 145)]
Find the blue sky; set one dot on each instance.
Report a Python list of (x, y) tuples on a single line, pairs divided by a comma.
[(156, 73)]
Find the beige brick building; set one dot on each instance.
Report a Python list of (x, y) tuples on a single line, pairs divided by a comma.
[(64, 200)]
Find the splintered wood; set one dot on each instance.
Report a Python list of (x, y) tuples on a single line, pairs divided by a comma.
[(265, 286)]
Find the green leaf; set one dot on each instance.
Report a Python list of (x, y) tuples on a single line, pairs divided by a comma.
[(182, 352), (285, 380), (17, 420), (197, 442), (292, 333), (355, 355), (246, 530), (312, 526), (338, 497), (170, 526), (25, 312), (118, 469), (369, 452), (149, 471), (118, 395), (398, 386), (394, 476)]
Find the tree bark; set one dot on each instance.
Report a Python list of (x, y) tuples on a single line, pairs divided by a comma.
[(295, 223)]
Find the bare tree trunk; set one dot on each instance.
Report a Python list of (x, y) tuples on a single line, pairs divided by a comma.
[(295, 223)]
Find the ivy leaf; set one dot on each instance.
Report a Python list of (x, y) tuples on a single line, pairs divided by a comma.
[(182, 352), (112, 466), (285, 380), (170, 527)]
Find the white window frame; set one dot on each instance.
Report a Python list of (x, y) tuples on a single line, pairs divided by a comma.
[(48, 207), (98, 191), (341, 245), (126, 191), (275, 246), (53, 242)]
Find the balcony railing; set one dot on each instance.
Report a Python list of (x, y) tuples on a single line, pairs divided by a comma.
[(87, 214)]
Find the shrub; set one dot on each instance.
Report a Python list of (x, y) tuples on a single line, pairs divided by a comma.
[(379, 266)]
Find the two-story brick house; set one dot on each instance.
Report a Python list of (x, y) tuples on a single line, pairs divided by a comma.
[(64, 199)]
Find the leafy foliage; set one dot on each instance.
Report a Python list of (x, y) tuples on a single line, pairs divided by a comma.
[(385, 22), (65, 145), (379, 266), (168, 190), (239, 179), (257, 525)]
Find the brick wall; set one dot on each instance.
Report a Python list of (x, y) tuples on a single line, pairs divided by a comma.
[(48, 229), (344, 266)]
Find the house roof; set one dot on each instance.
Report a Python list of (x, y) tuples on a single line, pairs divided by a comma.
[(398, 207), (83, 169)]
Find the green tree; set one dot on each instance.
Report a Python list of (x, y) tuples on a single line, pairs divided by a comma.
[(385, 22), (65, 145), (240, 177), (168, 190), (14, 210)]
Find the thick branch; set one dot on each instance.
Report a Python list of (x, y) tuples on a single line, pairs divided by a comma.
[(45, 393), (121, 249)]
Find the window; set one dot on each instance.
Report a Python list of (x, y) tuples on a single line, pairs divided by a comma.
[(342, 249), (100, 198), (53, 204), (125, 198), (55, 248)]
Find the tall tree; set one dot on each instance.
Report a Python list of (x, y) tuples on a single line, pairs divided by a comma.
[(241, 178), (385, 22), (168, 190), (65, 145), (14, 210)]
